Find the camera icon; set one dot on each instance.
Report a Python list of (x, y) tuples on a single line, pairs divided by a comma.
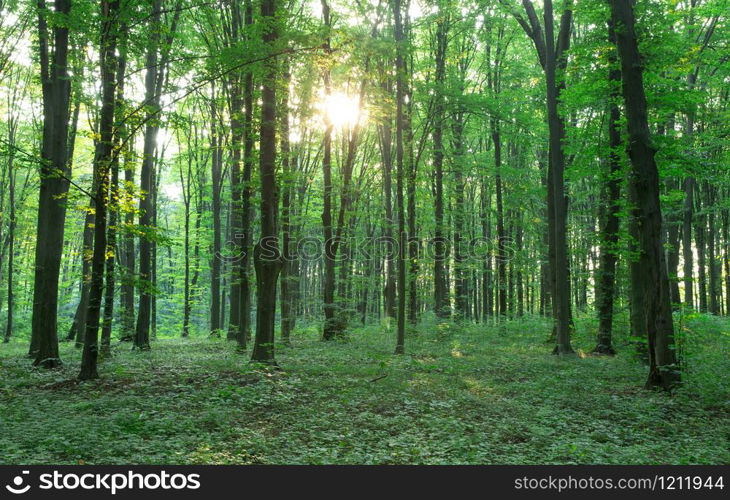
[(17, 487)]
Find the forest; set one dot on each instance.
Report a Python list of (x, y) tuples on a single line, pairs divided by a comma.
[(365, 231)]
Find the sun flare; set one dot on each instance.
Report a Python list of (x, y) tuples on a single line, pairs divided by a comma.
[(342, 110)]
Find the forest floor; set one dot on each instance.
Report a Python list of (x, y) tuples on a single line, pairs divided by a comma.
[(461, 395)]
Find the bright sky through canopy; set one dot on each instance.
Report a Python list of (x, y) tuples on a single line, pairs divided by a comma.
[(342, 110)]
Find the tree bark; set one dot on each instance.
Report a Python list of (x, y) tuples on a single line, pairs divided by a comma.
[(442, 306), (610, 205), (146, 206), (54, 184), (215, 264), (551, 54), (288, 182), (102, 164), (128, 253), (267, 257), (644, 187), (400, 174), (330, 329)]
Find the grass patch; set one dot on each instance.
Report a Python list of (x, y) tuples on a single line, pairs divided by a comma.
[(461, 395)]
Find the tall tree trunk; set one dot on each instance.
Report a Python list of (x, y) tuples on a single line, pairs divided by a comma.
[(610, 205), (442, 306), (146, 206), (128, 272), (518, 264), (555, 65), (400, 166), (246, 195), (726, 256), (187, 188), (54, 184), (76, 332), (700, 244), (330, 328), (12, 223), (267, 258), (118, 135), (106, 330), (714, 279), (552, 57), (501, 236), (102, 164), (386, 140), (644, 187), (336, 313), (215, 265), (411, 173), (78, 325), (486, 207), (687, 253), (238, 134), (461, 280), (288, 182)]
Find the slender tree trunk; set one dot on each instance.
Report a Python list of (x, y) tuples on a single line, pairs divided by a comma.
[(700, 244), (12, 222), (486, 207), (400, 166), (215, 265), (114, 214), (714, 278), (411, 173), (387, 156), (288, 181), (331, 328), (687, 253), (187, 187), (442, 306), (106, 330), (501, 236), (238, 134), (78, 326), (726, 259), (76, 332), (146, 207), (246, 195), (267, 257), (518, 265), (461, 283), (128, 272), (102, 164), (610, 205)]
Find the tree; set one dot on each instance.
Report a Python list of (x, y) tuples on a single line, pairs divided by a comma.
[(152, 100), (156, 61), (610, 206), (102, 165), (400, 125), (442, 305), (644, 187), (551, 51), (267, 257), (54, 182)]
